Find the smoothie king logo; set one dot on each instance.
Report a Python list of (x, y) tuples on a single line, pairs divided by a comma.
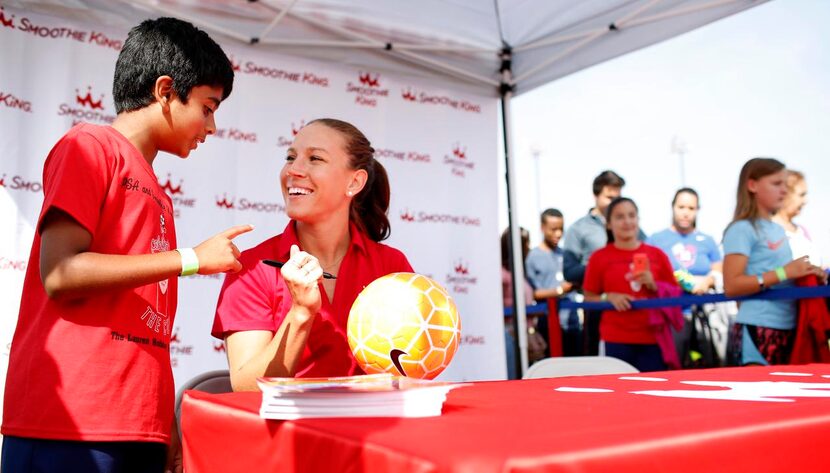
[(367, 90), (176, 194), (472, 340), (410, 94), (86, 108), (459, 279), (285, 141), (177, 348), (407, 156), (8, 264), (304, 77), (458, 161), (248, 205), (235, 65), (26, 25), (411, 216), (20, 183), (7, 22), (235, 134), (11, 101)]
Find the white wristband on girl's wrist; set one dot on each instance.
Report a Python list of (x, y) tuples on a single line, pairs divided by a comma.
[(190, 262), (761, 285)]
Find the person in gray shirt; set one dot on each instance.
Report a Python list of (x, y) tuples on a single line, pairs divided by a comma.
[(543, 268)]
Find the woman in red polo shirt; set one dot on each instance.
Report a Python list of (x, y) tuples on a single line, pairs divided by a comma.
[(613, 274), (291, 321)]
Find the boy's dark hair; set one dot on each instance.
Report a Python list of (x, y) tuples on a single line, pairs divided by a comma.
[(607, 179), (550, 213), (168, 47)]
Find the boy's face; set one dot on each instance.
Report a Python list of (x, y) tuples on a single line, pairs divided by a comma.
[(190, 123), (606, 195), (552, 230)]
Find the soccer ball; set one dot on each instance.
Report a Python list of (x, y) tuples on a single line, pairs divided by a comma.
[(405, 324)]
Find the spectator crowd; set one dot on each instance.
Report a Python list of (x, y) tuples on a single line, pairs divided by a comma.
[(604, 256)]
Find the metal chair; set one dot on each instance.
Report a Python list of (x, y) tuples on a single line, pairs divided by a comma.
[(578, 366), (214, 382)]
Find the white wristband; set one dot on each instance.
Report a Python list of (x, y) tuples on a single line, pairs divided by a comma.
[(190, 262)]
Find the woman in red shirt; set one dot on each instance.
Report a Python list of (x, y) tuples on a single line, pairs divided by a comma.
[(613, 275), (291, 321)]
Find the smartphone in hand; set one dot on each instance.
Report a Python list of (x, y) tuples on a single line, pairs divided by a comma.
[(640, 265)]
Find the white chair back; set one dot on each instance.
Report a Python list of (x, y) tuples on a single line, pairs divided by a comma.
[(578, 366)]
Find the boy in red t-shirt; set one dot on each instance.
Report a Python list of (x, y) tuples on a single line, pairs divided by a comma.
[(89, 384)]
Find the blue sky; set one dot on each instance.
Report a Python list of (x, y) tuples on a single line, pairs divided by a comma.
[(754, 84)]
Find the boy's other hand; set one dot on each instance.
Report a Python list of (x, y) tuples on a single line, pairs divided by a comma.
[(219, 254)]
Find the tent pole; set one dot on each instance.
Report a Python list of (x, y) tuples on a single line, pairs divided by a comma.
[(517, 260), (202, 24), (277, 19), (406, 55), (694, 8)]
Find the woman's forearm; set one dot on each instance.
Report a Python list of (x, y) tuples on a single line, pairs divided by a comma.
[(280, 356)]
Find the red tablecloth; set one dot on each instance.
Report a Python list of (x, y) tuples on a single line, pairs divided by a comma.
[(547, 425)]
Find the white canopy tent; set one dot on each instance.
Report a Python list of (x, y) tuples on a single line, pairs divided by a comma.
[(498, 47)]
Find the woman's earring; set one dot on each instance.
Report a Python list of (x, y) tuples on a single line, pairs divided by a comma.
[(349, 193)]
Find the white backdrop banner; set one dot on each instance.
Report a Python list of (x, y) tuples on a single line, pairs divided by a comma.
[(438, 145)]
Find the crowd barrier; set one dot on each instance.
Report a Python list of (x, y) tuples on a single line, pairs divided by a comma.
[(553, 305), (682, 301)]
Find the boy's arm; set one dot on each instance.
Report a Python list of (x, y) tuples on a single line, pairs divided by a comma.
[(69, 270)]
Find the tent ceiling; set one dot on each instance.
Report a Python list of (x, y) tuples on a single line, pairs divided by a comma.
[(456, 41)]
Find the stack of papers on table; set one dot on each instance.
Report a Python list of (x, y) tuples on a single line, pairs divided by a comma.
[(381, 395)]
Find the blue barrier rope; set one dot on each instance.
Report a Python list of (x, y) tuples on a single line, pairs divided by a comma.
[(687, 300)]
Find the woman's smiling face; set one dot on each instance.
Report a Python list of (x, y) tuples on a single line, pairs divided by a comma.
[(316, 175)]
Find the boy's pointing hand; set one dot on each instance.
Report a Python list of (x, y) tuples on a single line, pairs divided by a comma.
[(219, 254)]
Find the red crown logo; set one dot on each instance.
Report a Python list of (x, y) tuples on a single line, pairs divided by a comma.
[(235, 64), (168, 186), (461, 268), (458, 152), (219, 347), (407, 217), (175, 337), (87, 100), (224, 203), (296, 129), (408, 94), (7, 22), (367, 80), (3, 181)]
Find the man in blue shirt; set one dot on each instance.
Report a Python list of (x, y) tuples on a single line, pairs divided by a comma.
[(543, 268)]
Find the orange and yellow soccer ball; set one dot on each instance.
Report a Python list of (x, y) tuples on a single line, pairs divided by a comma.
[(405, 324)]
